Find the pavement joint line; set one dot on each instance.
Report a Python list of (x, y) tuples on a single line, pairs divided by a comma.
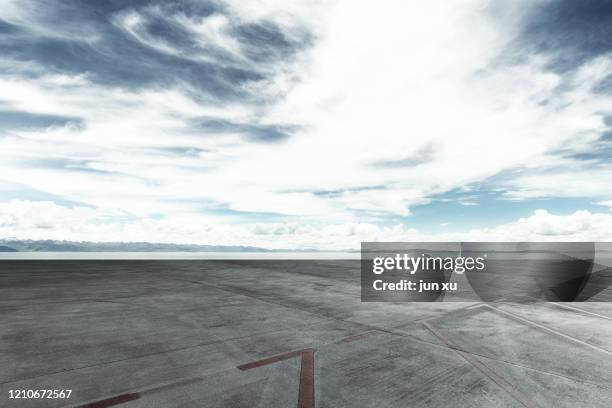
[(238, 291), (401, 333), (548, 329), (562, 305), (426, 319), (512, 390), (535, 369), (473, 306), (357, 337)]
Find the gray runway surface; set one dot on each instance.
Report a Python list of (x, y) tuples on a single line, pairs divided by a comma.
[(283, 334)]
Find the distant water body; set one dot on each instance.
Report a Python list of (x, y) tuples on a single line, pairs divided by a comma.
[(177, 255)]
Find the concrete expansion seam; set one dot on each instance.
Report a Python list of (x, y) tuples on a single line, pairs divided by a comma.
[(492, 375), (547, 329), (564, 306)]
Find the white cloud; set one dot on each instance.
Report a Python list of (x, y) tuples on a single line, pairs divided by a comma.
[(46, 220), (207, 32), (569, 181), (419, 82), (380, 89), (606, 203)]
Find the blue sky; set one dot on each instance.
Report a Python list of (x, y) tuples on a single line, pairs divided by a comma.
[(292, 124)]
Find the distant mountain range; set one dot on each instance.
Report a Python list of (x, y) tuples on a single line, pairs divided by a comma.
[(15, 245)]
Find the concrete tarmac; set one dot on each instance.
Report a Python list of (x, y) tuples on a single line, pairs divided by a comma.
[(283, 334)]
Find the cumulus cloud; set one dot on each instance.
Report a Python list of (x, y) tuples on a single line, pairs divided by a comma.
[(47, 220)]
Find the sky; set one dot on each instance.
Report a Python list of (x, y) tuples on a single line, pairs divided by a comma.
[(305, 124)]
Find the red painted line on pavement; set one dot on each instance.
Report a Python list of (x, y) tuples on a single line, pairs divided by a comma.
[(306, 396), (270, 360), (500, 381), (109, 402), (306, 390)]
